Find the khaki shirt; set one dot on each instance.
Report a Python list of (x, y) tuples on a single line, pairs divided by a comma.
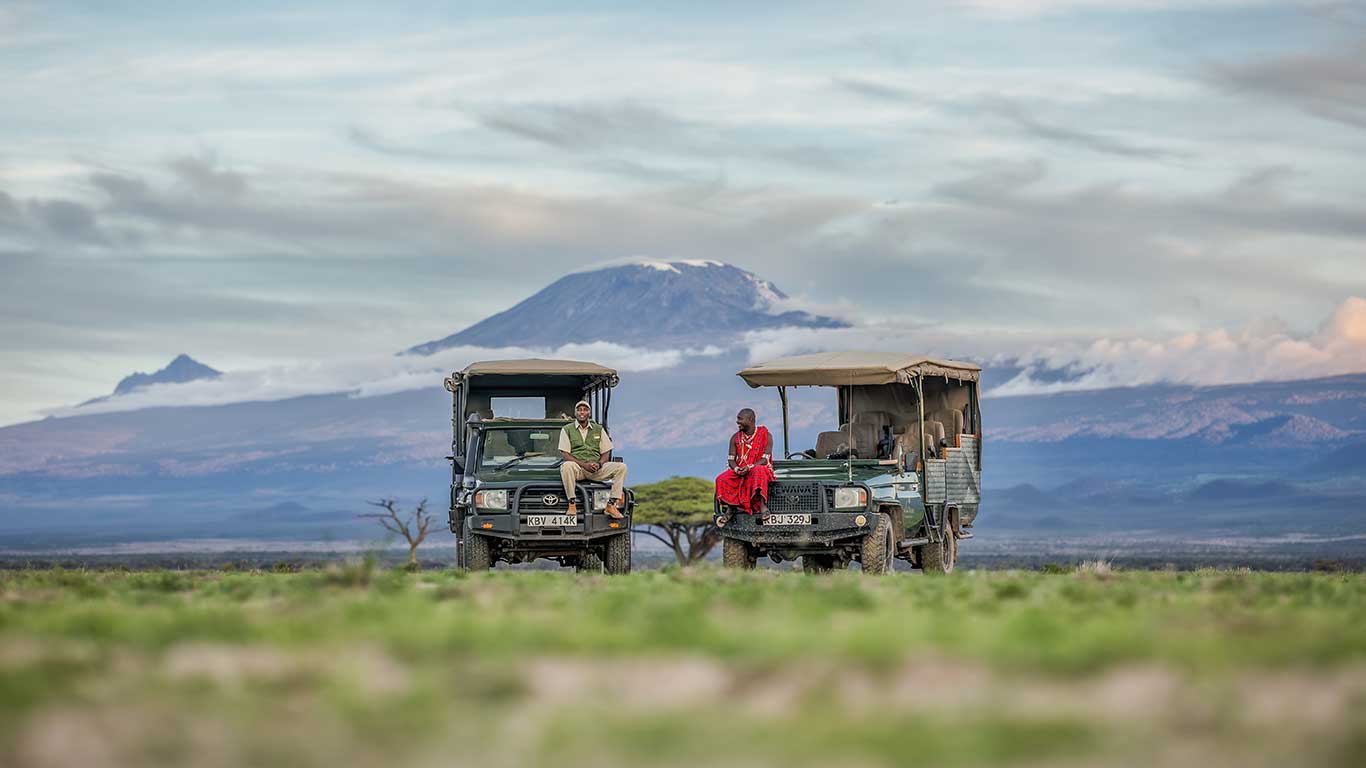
[(604, 447)]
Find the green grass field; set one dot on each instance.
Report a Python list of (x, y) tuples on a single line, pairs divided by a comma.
[(351, 666)]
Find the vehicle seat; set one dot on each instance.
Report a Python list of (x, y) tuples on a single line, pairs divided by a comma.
[(878, 419), (865, 439), (934, 433), (830, 443), (496, 444), (905, 443), (950, 417)]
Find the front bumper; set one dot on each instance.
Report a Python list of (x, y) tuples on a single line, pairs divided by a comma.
[(827, 529), (514, 527)]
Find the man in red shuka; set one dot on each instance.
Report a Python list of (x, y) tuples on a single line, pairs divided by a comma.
[(744, 485)]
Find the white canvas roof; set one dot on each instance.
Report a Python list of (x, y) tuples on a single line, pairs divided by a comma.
[(838, 369), (535, 367)]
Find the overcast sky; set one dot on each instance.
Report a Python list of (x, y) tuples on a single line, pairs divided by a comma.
[(260, 187)]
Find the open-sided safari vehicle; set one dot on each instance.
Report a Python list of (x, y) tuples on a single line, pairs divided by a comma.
[(507, 500), (900, 478)]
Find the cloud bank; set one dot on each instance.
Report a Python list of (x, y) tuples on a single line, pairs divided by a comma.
[(1265, 351), (368, 376)]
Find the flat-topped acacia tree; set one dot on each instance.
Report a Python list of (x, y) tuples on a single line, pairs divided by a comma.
[(678, 513)]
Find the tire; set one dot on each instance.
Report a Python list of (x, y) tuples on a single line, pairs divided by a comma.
[(736, 554), (618, 560), (588, 563), (478, 553), (818, 563), (878, 550), (937, 557)]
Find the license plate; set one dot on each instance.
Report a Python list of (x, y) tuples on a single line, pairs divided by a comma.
[(787, 519), (552, 521)]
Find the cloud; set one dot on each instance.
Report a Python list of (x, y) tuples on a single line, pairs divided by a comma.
[(1260, 352), (1096, 142), (1329, 84), (367, 139), (1025, 8), (368, 377), (1206, 358), (611, 128)]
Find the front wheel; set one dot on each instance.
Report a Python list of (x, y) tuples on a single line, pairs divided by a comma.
[(478, 553), (736, 554), (878, 548), (618, 559)]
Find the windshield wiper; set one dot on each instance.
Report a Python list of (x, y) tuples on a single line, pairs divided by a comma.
[(516, 460)]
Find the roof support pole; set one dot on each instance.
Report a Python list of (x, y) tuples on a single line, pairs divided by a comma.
[(782, 395)]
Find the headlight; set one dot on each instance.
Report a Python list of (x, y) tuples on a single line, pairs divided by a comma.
[(846, 498), (600, 499), (491, 499)]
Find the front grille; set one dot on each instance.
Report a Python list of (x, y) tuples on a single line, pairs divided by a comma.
[(794, 497), (532, 501)]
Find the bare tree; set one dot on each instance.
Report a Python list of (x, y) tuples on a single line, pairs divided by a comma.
[(413, 527)]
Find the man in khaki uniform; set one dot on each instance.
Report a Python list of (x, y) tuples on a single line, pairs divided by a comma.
[(585, 446)]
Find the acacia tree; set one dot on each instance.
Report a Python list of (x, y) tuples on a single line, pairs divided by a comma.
[(678, 512), (412, 527)]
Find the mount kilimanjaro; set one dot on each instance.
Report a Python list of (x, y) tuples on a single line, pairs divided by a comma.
[(642, 304)]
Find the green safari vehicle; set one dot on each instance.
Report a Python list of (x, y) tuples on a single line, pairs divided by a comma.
[(899, 479), (507, 499)]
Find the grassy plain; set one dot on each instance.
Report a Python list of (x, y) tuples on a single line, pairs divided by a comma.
[(356, 666)]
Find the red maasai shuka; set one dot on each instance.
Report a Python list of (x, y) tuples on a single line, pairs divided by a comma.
[(739, 490)]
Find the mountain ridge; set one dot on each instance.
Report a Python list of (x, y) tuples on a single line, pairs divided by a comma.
[(181, 369)]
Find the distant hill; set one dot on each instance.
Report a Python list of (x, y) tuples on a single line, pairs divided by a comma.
[(650, 304), (180, 370)]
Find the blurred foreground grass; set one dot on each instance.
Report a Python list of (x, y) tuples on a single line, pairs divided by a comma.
[(354, 666)]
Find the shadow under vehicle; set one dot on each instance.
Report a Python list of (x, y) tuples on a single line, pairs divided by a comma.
[(507, 500), (900, 478)]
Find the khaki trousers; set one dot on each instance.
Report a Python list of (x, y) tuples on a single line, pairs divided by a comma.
[(615, 471)]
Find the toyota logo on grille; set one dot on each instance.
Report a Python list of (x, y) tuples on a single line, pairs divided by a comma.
[(550, 499)]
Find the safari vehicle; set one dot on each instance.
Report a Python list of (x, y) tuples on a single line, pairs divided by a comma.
[(507, 500), (900, 478)]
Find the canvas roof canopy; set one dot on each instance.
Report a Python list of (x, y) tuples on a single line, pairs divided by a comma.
[(534, 374), (536, 366), (839, 369)]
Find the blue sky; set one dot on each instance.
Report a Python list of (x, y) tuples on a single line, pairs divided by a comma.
[(262, 187)]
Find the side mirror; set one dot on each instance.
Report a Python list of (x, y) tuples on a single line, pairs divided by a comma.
[(457, 466), (618, 457)]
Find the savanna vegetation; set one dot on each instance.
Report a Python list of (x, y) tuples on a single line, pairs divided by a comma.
[(354, 665), (678, 513)]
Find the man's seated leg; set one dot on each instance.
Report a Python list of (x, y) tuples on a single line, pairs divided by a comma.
[(570, 474), (616, 472)]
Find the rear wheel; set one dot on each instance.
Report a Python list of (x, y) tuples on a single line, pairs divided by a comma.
[(877, 547), (588, 562), (618, 554), (478, 553), (736, 554), (937, 557)]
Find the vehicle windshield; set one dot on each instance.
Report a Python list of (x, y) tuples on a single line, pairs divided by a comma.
[(521, 446)]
